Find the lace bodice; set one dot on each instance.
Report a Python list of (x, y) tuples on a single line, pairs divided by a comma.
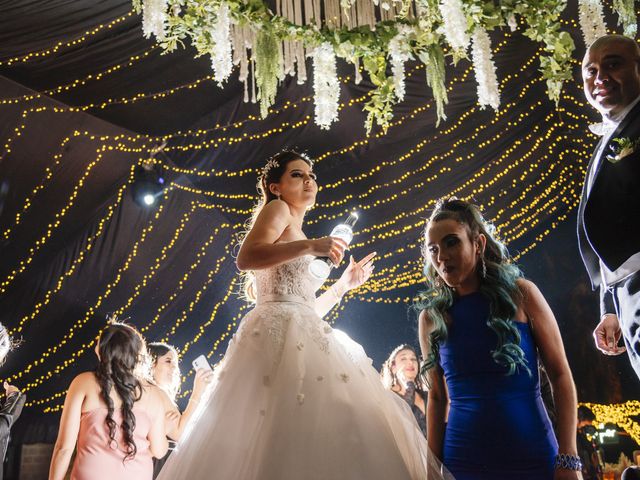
[(291, 279)]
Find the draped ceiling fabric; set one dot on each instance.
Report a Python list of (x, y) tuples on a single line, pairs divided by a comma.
[(76, 248)]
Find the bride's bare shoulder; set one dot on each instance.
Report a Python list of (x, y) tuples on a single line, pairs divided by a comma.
[(276, 207)]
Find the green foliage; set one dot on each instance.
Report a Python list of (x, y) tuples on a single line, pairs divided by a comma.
[(379, 107), (267, 55), (543, 25), (433, 58), (626, 16), (190, 21)]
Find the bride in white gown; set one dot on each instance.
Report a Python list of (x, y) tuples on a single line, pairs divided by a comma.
[(295, 399)]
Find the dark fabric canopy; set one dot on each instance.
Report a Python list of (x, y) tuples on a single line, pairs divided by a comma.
[(75, 247)]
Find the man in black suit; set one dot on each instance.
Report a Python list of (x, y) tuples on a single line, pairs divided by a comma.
[(609, 212)]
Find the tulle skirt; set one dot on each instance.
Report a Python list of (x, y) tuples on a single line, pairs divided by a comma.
[(295, 399)]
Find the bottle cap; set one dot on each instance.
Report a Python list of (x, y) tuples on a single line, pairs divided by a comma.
[(352, 219)]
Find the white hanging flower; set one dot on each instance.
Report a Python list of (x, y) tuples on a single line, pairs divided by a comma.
[(326, 85), (222, 54), (512, 22), (400, 52), (591, 20), (454, 24), (154, 17), (485, 69)]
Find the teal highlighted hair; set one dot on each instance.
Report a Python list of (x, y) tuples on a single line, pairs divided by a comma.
[(499, 286)]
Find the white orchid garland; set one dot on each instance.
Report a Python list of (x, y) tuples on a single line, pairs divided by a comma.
[(426, 30), (454, 26), (399, 53), (222, 53), (154, 18), (326, 85), (485, 69), (591, 20)]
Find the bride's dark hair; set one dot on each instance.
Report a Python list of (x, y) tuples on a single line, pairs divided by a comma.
[(121, 351), (271, 173)]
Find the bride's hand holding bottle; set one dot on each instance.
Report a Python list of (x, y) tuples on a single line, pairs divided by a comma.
[(332, 247)]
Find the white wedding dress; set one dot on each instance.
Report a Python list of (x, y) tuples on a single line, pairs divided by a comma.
[(295, 399)]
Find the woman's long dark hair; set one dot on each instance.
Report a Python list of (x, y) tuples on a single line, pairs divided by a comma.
[(121, 350), (498, 285), (271, 173)]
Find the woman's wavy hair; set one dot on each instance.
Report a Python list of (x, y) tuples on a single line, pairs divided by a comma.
[(160, 349), (389, 378), (271, 173), (122, 351), (498, 285)]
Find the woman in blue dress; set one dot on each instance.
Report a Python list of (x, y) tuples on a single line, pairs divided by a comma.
[(482, 327)]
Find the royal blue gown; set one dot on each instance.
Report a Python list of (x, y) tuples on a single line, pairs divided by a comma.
[(497, 427)]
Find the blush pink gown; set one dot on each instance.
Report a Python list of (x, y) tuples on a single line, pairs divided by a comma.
[(97, 460)]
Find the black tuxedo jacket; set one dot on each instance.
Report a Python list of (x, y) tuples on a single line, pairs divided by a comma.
[(609, 213)]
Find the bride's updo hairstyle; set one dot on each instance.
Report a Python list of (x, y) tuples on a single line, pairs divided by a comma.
[(272, 172)]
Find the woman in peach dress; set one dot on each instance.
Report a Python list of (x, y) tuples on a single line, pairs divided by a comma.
[(112, 416)]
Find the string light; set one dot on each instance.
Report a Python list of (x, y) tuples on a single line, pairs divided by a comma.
[(53, 226), (525, 213), (81, 81), (101, 298), (67, 44), (212, 273), (82, 254), (619, 414)]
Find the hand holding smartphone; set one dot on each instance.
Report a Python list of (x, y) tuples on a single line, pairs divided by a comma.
[(201, 362)]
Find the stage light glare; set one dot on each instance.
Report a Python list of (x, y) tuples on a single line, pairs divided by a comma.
[(147, 186)]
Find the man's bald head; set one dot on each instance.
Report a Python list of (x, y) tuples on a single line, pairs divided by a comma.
[(611, 73), (625, 42)]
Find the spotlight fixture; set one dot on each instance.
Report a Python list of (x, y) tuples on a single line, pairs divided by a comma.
[(147, 185), (148, 181)]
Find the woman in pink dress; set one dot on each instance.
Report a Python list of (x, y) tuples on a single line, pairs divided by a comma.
[(114, 418)]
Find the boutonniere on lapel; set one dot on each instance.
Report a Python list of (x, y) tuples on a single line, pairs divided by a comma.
[(622, 147)]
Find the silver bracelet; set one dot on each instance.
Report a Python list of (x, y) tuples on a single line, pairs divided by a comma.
[(568, 462)]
